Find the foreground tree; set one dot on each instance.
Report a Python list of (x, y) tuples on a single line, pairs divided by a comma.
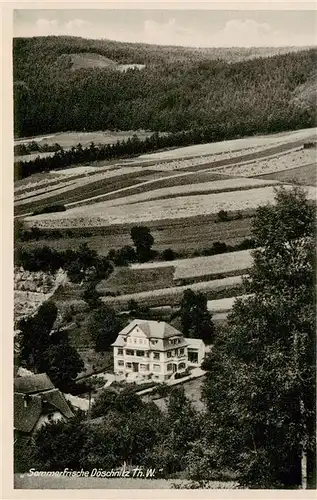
[(260, 390), (60, 444)]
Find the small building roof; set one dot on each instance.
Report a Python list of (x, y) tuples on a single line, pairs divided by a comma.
[(194, 343), (57, 399), (29, 407), (152, 329), (33, 384), (31, 394), (25, 418), (119, 341)]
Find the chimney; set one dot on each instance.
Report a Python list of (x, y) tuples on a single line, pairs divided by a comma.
[(26, 399)]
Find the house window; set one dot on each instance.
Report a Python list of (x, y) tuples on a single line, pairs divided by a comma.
[(140, 353), (141, 341), (143, 368), (181, 366), (169, 354), (156, 368), (130, 352), (156, 355), (135, 340), (128, 365), (181, 351), (193, 357), (120, 362), (169, 367), (154, 341), (120, 352)]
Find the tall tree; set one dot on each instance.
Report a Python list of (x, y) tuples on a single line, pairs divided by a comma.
[(195, 318), (64, 362), (34, 337), (143, 241), (43, 350), (260, 390), (103, 326)]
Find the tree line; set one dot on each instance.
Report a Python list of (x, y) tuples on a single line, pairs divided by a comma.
[(33, 147)]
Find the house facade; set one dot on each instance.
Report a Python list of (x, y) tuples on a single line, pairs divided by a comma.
[(150, 350)]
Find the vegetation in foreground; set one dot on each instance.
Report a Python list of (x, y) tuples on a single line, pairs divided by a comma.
[(260, 419)]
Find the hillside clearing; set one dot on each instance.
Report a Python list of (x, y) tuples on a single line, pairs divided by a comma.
[(69, 139)]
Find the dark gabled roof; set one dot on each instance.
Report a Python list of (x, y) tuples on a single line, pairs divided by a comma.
[(25, 418), (57, 399), (33, 395), (33, 384)]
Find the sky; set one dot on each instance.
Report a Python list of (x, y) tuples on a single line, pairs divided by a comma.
[(194, 28)]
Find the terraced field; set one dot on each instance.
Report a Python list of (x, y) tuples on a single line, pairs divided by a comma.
[(202, 267), (216, 186), (305, 175), (103, 214), (278, 163), (227, 158), (263, 141), (183, 235), (215, 289)]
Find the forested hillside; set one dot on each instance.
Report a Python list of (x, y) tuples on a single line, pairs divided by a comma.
[(240, 91)]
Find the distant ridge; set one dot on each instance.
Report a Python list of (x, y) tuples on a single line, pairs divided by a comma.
[(69, 83)]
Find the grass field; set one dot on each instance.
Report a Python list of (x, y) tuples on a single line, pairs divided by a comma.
[(201, 267), (126, 280), (305, 175), (184, 235), (23, 481), (215, 289)]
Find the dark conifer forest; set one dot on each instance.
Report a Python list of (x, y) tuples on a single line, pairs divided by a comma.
[(225, 92)]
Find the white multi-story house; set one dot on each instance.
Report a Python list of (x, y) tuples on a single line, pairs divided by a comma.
[(154, 349)]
